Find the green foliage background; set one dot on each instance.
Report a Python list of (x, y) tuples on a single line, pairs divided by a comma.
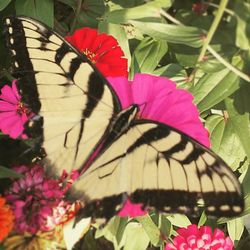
[(206, 52)]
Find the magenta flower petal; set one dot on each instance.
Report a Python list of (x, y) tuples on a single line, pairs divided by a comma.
[(194, 238), (123, 89), (9, 94), (132, 210), (6, 106), (13, 113)]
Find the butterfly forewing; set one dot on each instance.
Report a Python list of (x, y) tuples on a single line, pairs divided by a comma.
[(62, 87)]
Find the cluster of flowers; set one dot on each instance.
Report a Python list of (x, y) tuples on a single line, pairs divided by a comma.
[(35, 203)]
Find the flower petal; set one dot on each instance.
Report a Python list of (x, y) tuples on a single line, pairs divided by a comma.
[(8, 94), (132, 210)]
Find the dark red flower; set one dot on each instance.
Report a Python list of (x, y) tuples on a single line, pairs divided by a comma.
[(102, 50)]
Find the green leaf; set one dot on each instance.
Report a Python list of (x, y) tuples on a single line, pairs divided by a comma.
[(70, 3), (151, 229), (8, 173), (173, 71), (91, 11), (179, 220), (242, 12), (128, 3), (147, 55), (211, 66), (190, 36), (114, 231), (235, 228), (151, 9), (165, 225), (239, 112), (246, 184), (185, 55), (215, 87), (136, 237), (225, 141), (40, 10), (73, 231), (3, 4), (202, 219)]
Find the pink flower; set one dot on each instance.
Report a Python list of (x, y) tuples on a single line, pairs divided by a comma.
[(13, 113), (159, 100), (33, 198), (132, 210), (201, 238), (57, 216)]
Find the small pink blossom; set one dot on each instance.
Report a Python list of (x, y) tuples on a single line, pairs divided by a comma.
[(194, 238), (33, 198), (67, 179), (13, 113), (132, 210), (159, 100), (57, 216)]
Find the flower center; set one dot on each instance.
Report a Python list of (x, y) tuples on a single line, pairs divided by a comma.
[(21, 109), (90, 55)]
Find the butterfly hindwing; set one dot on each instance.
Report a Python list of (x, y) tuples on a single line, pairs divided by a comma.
[(164, 169), (62, 87)]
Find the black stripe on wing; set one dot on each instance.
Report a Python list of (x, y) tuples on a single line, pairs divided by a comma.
[(193, 163), (218, 203), (52, 73), (22, 67)]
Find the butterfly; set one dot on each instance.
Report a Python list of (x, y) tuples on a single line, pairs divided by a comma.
[(84, 127)]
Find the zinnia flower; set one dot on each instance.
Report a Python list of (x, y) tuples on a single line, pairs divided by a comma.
[(102, 50), (13, 113), (6, 219), (33, 198), (201, 238), (159, 100)]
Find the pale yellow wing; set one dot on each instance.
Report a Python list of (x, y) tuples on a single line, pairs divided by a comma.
[(74, 102), (161, 168)]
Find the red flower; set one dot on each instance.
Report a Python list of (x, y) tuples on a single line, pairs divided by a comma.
[(6, 219), (102, 50)]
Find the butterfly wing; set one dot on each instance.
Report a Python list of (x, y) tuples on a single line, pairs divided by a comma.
[(161, 168), (59, 84)]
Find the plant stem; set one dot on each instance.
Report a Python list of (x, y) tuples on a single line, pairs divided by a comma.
[(212, 29), (228, 65), (214, 53)]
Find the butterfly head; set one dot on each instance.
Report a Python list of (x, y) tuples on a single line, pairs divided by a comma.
[(124, 118)]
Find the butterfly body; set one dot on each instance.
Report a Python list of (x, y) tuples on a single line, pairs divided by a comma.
[(83, 127)]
